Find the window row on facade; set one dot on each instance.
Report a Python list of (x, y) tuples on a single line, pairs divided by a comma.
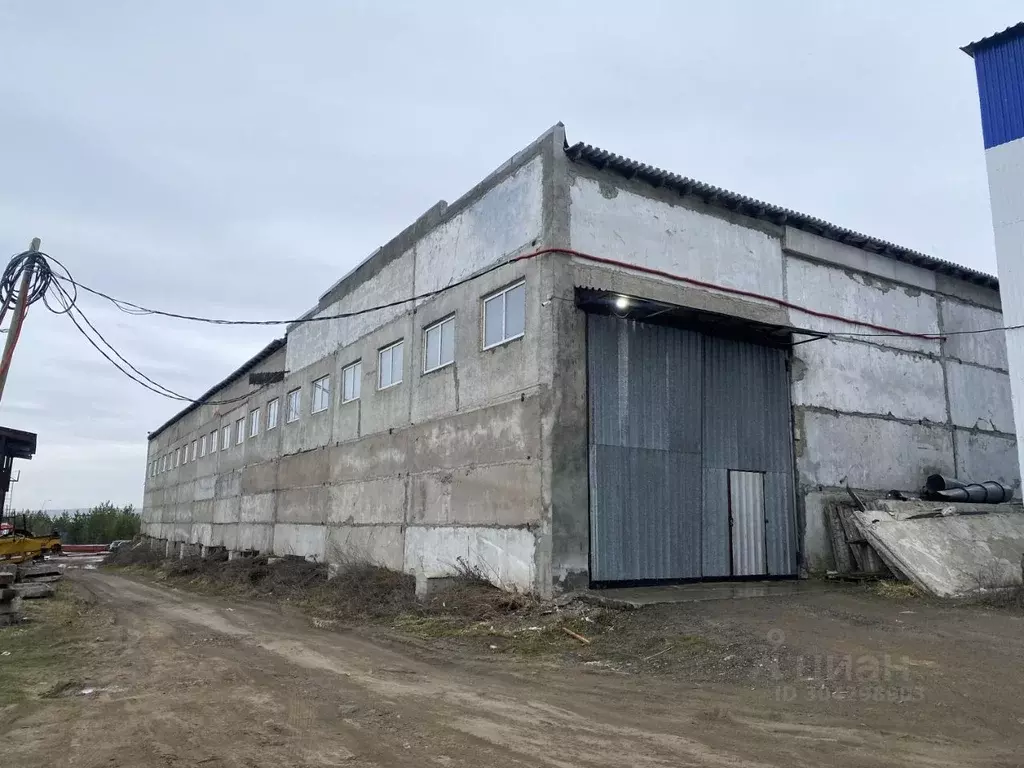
[(504, 320)]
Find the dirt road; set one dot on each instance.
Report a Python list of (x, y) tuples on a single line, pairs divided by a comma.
[(182, 680)]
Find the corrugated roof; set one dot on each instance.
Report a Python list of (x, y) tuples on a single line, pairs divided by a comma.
[(631, 169), (1015, 30), (252, 362)]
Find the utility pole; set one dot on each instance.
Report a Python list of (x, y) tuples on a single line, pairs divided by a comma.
[(20, 310)]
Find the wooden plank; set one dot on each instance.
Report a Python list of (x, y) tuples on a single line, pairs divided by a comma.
[(840, 549)]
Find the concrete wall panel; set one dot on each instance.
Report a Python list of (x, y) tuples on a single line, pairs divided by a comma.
[(380, 455), (308, 541), (368, 502), (504, 556), (228, 484), (257, 508), (502, 494), (201, 511), (260, 478), (857, 296), (981, 457), (860, 378), (870, 453), (303, 505), (382, 545), (499, 434), (227, 510), (982, 348), (611, 222), (303, 469), (506, 218), (979, 398)]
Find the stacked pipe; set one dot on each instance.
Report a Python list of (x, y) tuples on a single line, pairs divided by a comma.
[(941, 488)]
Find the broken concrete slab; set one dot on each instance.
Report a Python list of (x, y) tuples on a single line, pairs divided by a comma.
[(903, 510), (949, 556)]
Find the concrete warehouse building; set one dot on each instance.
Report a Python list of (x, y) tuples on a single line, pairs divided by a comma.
[(587, 370)]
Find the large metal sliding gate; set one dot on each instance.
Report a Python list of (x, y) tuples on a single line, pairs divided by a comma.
[(691, 461)]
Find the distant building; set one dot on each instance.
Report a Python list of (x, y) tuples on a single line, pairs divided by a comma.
[(597, 385)]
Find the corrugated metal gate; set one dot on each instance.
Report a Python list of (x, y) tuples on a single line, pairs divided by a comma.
[(691, 463)]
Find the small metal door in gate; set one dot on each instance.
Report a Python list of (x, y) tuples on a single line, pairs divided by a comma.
[(690, 465)]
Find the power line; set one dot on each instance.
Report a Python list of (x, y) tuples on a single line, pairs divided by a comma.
[(42, 284)]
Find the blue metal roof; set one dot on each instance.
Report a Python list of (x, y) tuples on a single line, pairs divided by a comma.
[(631, 169), (999, 65)]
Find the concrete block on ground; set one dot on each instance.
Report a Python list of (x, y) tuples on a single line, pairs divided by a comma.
[(836, 450), (32, 591), (428, 587)]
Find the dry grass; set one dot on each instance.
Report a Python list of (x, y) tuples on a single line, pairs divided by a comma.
[(896, 590), (41, 654)]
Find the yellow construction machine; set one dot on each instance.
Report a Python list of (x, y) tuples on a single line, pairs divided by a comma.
[(19, 544)]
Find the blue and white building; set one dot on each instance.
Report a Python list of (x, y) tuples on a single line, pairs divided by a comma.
[(999, 63)]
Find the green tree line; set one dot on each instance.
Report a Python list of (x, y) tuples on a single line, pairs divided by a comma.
[(102, 524)]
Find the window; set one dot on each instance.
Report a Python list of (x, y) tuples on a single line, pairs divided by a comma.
[(184, 454), (195, 449), (213, 441), (254, 422), (225, 441), (505, 315), (321, 398), (163, 463), (240, 431), (350, 377), (272, 408), (202, 445), (177, 457), (439, 345), (292, 406), (389, 372)]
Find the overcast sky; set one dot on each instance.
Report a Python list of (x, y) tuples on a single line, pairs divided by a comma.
[(235, 158)]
